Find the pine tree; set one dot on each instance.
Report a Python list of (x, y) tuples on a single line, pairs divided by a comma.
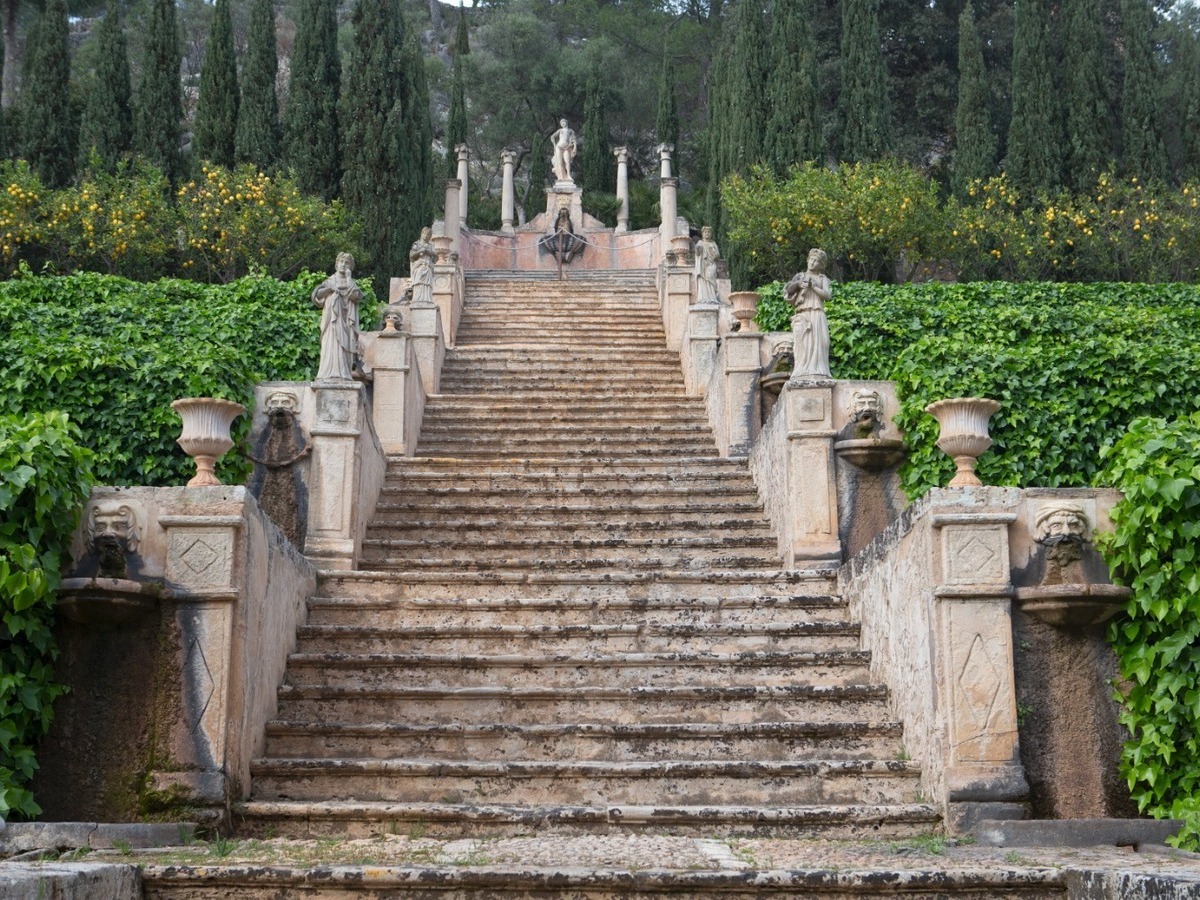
[(666, 121), (975, 144), (863, 104), (1144, 154), (217, 107), (258, 132), (158, 105), (312, 146), (107, 128), (1034, 162), (794, 129), (46, 120), (596, 160), (1088, 94), (372, 112)]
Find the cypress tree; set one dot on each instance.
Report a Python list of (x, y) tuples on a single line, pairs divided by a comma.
[(456, 121), (217, 107), (539, 168), (462, 42), (158, 106), (1144, 152), (595, 162), (1033, 148), (794, 128), (975, 144), (312, 146), (744, 107), (415, 151), (1190, 108), (258, 131), (107, 128), (666, 120), (1088, 94), (865, 116), (46, 119), (372, 112)]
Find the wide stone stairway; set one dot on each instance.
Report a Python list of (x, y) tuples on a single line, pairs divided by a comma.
[(571, 616)]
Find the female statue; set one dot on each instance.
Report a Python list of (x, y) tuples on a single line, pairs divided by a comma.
[(808, 291), (707, 255), (338, 296), (420, 269)]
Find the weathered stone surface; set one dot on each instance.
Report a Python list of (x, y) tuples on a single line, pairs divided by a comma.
[(69, 881)]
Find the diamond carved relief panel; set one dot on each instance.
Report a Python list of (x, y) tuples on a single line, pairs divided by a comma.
[(975, 555), (200, 557)]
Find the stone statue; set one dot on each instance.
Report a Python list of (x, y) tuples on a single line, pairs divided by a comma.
[(707, 255), (564, 151), (420, 268), (338, 296), (562, 242), (808, 292), (276, 481)]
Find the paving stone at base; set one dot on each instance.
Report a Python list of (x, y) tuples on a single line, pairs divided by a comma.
[(21, 837), (1075, 832), (69, 881)]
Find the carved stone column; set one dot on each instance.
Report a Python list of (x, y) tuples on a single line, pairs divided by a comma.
[(667, 190), (811, 475), (453, 212), (332, 512), (622, 155), (984, 775), (463, 156), (508, 158), (742, 401)]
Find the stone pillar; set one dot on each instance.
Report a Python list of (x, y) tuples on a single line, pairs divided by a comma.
[(463, 156), (666, 192), (702, 339), (811, 475), (664, 160), (333, 494), (677, 297), (426, 325), (973, 593), (453, 212), (508, 158), (742, 401), (622, 155)]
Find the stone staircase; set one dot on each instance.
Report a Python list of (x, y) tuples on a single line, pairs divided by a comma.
[(571, 616)]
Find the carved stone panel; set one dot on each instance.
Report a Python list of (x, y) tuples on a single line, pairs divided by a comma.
[(200, 557), (975, 555), (979, 682)]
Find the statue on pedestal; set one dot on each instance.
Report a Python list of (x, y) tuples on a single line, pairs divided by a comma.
[(808, 292), (338, 295), (707, 254), (564, 145), (421, 258)]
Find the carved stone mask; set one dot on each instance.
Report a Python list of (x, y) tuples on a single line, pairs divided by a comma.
[(110, 523)]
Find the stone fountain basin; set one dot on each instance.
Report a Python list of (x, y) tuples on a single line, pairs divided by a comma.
[(97, 601), (872, 454), (1072, 605)]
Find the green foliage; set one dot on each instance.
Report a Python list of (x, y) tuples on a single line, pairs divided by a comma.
[(217, 107), (1088, 95), (48, 135), (158, 110), (45, 475), (666, 118), (462, 40), (222, 226), (1144, 154), (107, 129), (597, 170), (1034, 158), (113, 354), (864, 112), (975, 144), (1072, 364), (794, 130), (869, 218), (1153, 551), (258, 131), (312, 143), (456, 120)]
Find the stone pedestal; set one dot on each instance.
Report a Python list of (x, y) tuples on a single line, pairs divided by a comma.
[(676, 298), (622, 155), (742, 371), (973, 593), (701, 350), (425, 327), (811, 475), (394, 365), (448, 298), (508, 159), (333, 513), (565, 195)]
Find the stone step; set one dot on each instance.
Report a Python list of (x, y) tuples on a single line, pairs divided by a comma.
[(608, 547), (568, 341), (557, 379), (448, 410), (599, 609), (532, 449), (586, 741), (589, 782), (574, 640), (354, 818), (535, 354), (596, 429), (531, 560), (606, 473), (539, 669), (756, 588), (449, 529), (647, 704), (462, 507)]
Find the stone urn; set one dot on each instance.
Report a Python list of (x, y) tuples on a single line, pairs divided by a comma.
[(205, 435), (442, 244), (964, 435), (745, 304)]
